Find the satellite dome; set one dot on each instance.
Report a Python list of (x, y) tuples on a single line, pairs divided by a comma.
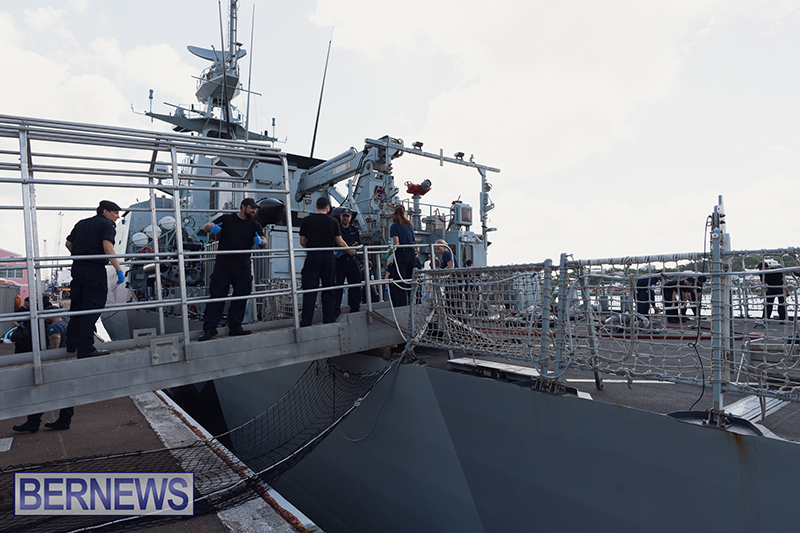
[(270, 211)]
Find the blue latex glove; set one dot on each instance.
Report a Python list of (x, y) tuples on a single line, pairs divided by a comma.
[(216, 228), (257, 240), (120, 277), (337, 254)]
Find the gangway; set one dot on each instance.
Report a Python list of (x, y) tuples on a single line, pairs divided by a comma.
[(44, 159), (158, 362)]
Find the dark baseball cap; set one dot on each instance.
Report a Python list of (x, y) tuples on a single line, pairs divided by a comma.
[(345, 211), (109, 205), (322, 201), (249, 202)]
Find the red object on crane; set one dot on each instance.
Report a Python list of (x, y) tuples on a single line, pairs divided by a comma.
[(418, 190)]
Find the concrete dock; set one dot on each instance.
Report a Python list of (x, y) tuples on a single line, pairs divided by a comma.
[(146, 421)]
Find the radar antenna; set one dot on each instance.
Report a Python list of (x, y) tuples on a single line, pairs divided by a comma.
[(322, 90)]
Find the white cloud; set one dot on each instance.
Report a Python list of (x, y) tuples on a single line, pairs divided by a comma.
[(79, 6), (50, 28)]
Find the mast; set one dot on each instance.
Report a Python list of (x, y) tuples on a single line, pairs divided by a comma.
[(249, 77), (232, 23), (225, 100)]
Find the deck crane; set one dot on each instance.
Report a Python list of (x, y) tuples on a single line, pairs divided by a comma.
[(374, 188)]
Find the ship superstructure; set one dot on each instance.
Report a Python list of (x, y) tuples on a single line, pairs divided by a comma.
[(216, 184)]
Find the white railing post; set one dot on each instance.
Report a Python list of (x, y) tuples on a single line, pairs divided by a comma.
[(176, 205), (156, 248), (31, 248)]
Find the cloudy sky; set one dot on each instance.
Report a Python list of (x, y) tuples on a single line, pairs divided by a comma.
[(616, 124)]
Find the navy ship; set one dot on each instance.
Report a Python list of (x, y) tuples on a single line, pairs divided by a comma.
[(583, 429)]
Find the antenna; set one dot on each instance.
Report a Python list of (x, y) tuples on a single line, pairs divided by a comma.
[(319, 107), (224, 74), (249, 76), (151, 108)]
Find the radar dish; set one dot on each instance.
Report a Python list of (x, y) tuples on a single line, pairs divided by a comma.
[(214, 55)]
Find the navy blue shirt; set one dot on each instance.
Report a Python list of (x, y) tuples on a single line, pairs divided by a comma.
[(446, 258), (320, 231), (236, 234), (405, 235), (352, 237), (58, 328), (87, 238)]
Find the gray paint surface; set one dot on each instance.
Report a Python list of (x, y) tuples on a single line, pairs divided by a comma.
[(452, 452)]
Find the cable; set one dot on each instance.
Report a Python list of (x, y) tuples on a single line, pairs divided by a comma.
[(699, 308)]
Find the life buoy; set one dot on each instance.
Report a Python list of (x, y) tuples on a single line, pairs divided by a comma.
[(146, 250)]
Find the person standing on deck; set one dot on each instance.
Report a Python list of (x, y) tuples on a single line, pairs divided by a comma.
[(402, 232), (773, 287), (347, 266), (235, 231), (646, 295), (89, 287), (320, 230)]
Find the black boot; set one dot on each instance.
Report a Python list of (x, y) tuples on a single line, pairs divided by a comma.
[(27, 426), (58, 424)]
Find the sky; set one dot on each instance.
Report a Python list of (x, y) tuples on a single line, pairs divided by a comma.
[(616, 124)]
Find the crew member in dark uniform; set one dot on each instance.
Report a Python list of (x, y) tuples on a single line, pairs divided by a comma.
[(235, 231), (89, 287), (673, 293), (22, 335), (773, 287), (646, 295), (319, 230), (347, 266), (693, 296), (56, 333)]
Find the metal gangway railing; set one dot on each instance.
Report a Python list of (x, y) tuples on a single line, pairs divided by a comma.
[(56, 167), (692, 318)]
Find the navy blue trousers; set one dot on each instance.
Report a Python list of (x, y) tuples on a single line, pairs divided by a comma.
[(348, 270), (221, 280), (318, 267), (404, 269), (88, 290)]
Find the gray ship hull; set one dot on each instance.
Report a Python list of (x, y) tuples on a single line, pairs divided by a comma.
[(432, 450)]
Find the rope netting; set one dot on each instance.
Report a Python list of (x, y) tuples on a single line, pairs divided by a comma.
[(650, 317), (265, 448)]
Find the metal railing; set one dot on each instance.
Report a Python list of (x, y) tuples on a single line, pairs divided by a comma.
[(693, 318)]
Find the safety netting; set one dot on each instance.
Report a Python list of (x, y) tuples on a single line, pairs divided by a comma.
[(676, 317), (265, 448)]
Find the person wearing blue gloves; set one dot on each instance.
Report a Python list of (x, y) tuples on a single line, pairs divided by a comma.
[(234, 231), (89, 287)]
